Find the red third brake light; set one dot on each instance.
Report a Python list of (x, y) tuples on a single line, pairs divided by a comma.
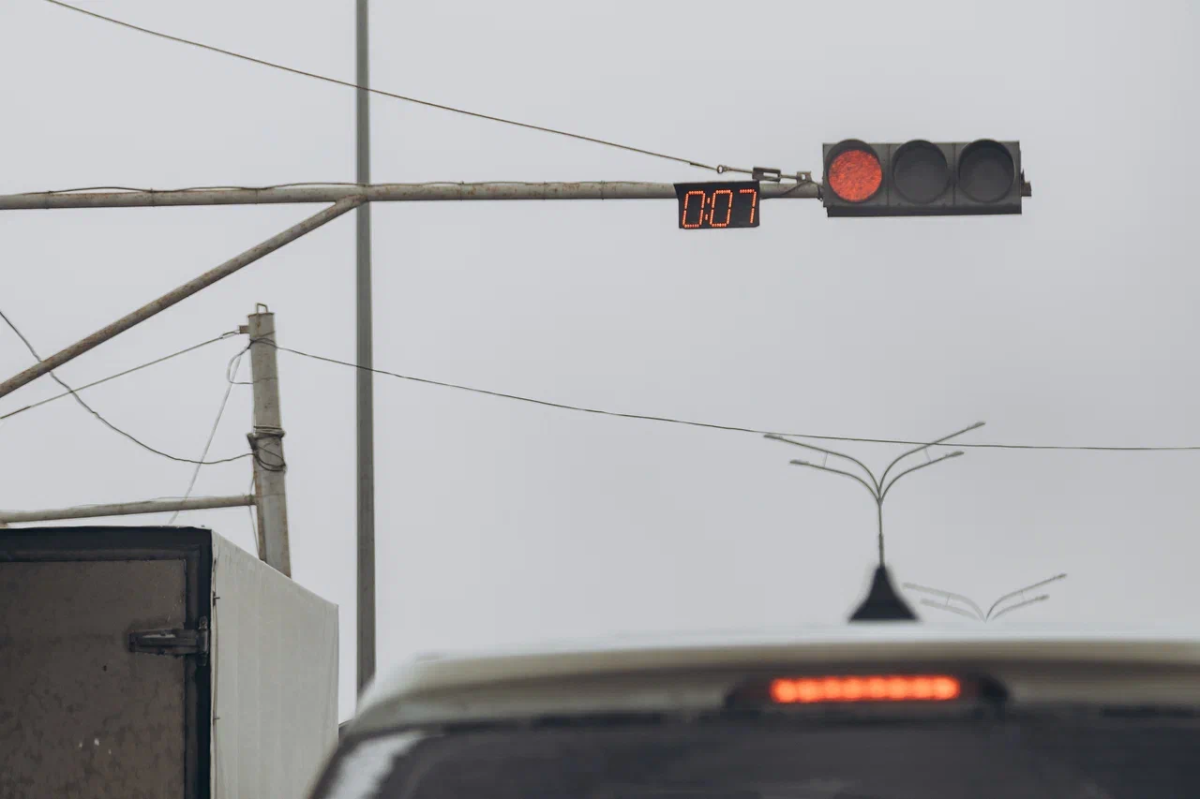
[(870, 688), (854, 175)]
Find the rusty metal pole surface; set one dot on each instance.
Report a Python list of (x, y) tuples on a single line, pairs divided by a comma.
[(364, 356), (124, 509), (390, 192), (270, 466), (176, 295)]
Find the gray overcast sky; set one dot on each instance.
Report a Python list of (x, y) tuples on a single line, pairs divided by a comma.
[(501, 523)]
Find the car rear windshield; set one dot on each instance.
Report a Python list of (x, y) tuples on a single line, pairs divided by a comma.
[(1058, 757)]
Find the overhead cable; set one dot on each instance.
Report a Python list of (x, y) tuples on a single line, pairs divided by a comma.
[(720, 168), (105, 421), (731, 428), (230, 381), (258, 547), (156, 361)]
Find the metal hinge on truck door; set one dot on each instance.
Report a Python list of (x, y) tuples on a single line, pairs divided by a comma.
[(177, 642)]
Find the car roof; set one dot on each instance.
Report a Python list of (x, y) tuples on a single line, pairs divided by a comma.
[(571, 676)]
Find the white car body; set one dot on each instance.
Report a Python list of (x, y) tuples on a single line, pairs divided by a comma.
[(1036, 665), (1036, 712)]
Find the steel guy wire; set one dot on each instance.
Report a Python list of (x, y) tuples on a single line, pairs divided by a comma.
[(719, 168)]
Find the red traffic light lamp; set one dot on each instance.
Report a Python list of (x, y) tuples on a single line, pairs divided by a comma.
[(923, 178)]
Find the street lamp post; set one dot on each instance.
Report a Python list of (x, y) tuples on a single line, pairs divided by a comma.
[(975, 611), (877, 487)]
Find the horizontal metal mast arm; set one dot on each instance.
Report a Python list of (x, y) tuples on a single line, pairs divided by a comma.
[(124, 509), (390, 192)]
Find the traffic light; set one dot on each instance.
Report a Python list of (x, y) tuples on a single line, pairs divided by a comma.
[(923, 178)]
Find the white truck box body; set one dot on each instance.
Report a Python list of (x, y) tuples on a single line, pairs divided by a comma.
[(158, 663)]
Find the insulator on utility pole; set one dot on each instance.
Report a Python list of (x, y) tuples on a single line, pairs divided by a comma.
[(266, 442)]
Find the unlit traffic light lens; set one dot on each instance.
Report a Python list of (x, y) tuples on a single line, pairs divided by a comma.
[(854, 175), (919, 172), (985, 171)]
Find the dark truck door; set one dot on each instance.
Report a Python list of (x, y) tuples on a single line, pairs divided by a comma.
[(81, 713)]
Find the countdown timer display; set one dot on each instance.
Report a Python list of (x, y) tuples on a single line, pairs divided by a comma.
[(704, 206)]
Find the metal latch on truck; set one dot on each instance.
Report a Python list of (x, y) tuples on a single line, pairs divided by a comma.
[(177, 642)]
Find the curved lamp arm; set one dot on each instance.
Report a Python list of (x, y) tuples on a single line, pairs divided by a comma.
[(924, 447), (1018, 592), (831, 470), (856, 461), (1019, 605), (948, 595), (930, 603), (918, 467)]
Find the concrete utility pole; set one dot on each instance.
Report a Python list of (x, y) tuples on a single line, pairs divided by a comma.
[(266, 442), (365, 387)]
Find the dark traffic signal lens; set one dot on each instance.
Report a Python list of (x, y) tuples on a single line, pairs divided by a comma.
[(985, 171), (919, 172), (854, 175)]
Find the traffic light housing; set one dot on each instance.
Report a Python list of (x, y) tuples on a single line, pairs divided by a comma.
[(923, 178)]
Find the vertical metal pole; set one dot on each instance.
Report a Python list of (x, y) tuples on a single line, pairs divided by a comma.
[(267, 443), (879, 505), (365, 388)]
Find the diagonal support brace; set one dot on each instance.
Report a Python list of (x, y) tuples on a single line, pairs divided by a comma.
[(181, 293)]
